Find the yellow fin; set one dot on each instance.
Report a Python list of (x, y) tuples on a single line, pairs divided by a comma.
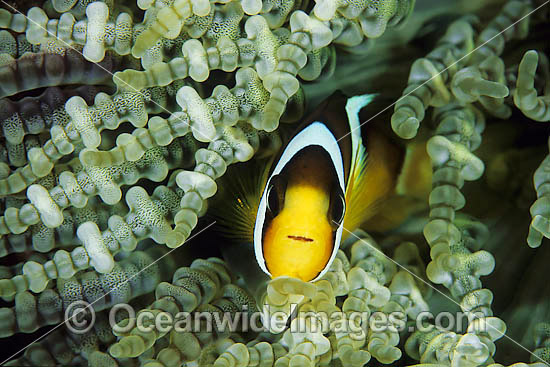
[(372, 180), (415, 179), (356, 185), (237, 205), (393, 212)]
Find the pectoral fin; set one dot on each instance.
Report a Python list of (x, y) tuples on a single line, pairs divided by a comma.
[(240, 193)]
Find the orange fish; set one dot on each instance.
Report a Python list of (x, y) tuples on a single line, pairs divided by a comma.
[(316, 190)]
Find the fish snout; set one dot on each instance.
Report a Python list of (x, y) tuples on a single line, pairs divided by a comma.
[(300, 238)]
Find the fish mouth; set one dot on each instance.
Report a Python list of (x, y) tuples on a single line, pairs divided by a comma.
[(301, 238)]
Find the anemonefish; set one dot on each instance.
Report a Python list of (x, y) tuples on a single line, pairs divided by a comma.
[(316, 190)]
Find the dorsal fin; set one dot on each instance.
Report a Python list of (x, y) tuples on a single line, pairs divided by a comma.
[(358, 181), (353, 107)]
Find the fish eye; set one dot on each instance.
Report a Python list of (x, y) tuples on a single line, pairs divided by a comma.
[(337, 206), (275, 194)]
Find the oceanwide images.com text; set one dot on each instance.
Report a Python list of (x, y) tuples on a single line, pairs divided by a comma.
[(80, 318)]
